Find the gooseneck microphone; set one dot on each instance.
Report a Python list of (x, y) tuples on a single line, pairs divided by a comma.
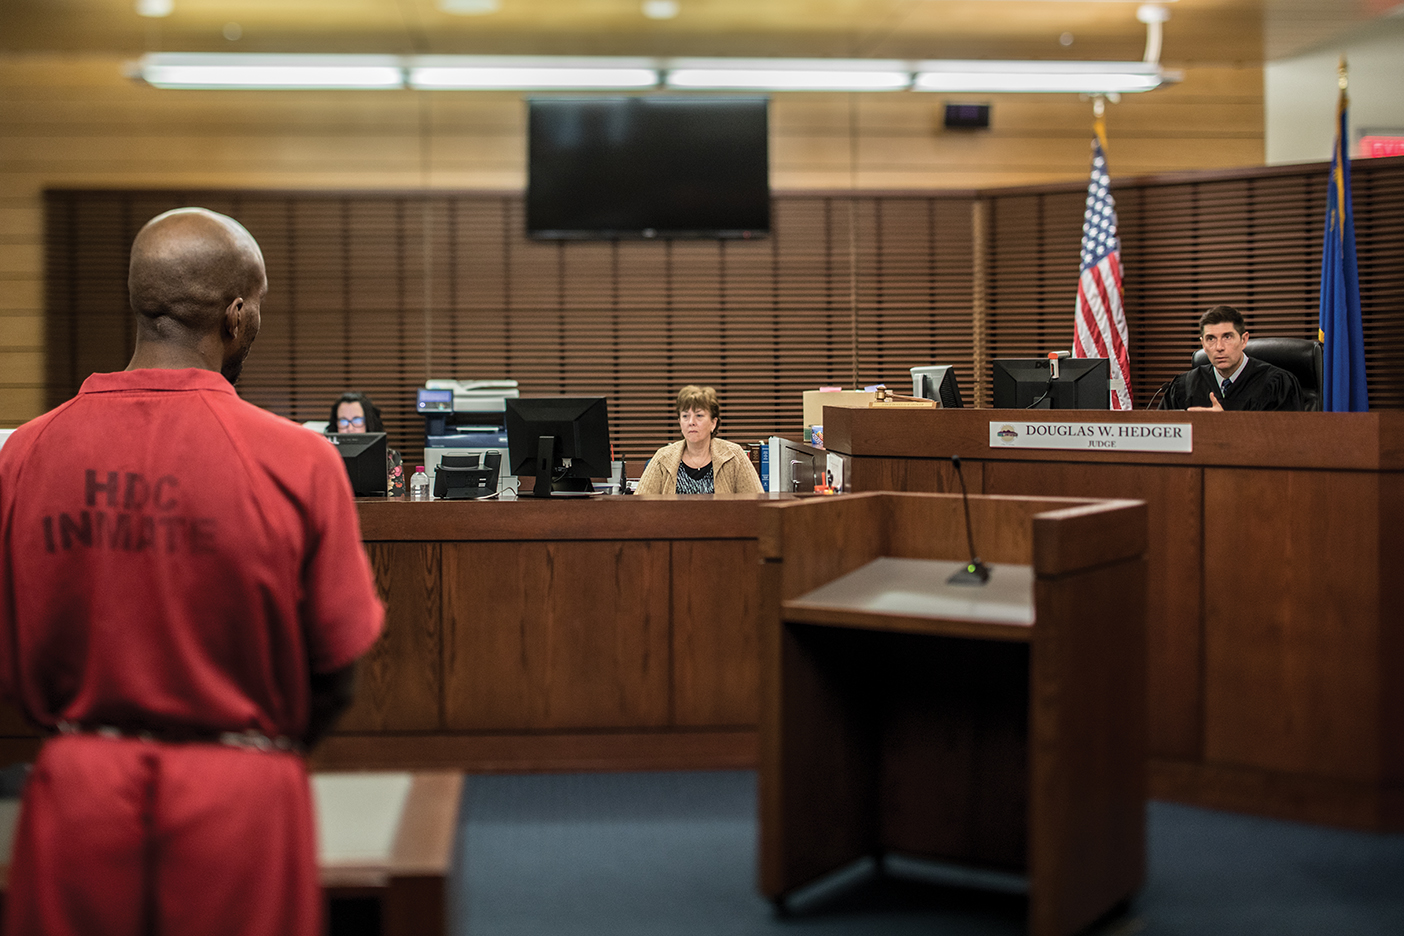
[(973, 572), (1157, 395)]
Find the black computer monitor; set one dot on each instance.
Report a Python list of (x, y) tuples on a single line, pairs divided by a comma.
[(363, 453), (938, 383), (1027, 383), (562, 441)]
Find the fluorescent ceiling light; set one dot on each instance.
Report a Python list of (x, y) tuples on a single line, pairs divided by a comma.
[(470, 7), (156, 8), (660, 9), (529, 73), (533, 73), (227, 71), (1038, 77), (788, 75)]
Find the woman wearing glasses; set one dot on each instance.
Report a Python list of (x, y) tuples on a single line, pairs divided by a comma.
[(354, 412)]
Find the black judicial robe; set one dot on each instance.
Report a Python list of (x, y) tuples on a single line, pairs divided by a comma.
[(1259, 387)]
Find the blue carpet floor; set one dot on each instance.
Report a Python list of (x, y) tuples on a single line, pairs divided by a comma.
[(674, 854)]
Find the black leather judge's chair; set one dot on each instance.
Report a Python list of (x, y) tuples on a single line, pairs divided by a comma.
[(1301, 357)]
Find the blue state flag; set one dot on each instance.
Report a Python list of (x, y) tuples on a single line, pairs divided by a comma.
[(1341, 332)]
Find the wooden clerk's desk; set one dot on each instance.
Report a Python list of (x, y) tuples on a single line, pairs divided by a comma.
[(1001, 726), (1275, 638), (611, 633)]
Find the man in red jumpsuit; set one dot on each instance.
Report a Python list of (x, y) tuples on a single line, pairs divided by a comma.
[(183, 596)]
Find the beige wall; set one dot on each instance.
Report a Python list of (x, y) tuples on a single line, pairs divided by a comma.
[(70, 122)]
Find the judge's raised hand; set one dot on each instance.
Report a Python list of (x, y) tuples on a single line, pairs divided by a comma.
[(1214, 405)]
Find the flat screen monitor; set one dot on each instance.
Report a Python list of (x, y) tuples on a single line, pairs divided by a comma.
[(363, 454), (655, 166), (561, 441), (937, 382), (1027, 383)]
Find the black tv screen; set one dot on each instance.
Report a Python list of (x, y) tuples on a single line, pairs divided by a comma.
[(656, 166)]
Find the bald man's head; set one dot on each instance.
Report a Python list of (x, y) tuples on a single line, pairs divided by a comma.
[(191, 271)]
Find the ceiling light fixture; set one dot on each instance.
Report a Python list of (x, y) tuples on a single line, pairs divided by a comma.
[(282, 72), (523, 73), (155, 8), (544, 73), (470, 7), (661, 9), (787, 75), (1039, 77)]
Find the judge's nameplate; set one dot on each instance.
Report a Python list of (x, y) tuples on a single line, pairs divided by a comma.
[(1091, 436)]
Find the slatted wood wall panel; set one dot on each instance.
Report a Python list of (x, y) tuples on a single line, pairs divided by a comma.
[(379, 291), (1251, 239)]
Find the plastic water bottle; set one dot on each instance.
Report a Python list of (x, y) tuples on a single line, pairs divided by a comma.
[(419, 485)]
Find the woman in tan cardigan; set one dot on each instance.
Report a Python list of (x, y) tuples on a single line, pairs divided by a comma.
[(700, 463)]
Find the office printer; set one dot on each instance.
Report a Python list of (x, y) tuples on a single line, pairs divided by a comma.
[(465, 417)]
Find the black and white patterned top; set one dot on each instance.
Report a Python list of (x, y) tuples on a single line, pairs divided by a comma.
[(696, 480)]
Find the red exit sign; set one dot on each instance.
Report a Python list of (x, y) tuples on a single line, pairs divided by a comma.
[(1373, 145)]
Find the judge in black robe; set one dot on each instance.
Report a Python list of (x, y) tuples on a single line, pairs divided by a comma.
[(1259, 386)]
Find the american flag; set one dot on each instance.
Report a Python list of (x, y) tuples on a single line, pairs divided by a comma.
[(1101, 320)]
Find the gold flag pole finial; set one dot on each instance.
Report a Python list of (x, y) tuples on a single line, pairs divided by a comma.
[(1342, 74), (1099, 122)]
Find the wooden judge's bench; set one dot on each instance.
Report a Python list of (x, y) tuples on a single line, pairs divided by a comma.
[(1275, 633)]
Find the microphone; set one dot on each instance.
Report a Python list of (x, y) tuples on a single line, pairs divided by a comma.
[(973, 572), (1156, 396)]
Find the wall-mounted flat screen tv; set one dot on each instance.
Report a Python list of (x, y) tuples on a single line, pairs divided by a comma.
[(655, 166)]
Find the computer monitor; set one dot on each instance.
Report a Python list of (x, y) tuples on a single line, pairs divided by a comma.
[(937, 382), (562, 441), (1027, 383), (363, 454)]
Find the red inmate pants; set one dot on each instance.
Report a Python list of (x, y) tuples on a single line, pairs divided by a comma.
[(135, 838)]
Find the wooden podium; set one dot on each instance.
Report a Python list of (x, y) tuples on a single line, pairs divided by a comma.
[(999, 726)]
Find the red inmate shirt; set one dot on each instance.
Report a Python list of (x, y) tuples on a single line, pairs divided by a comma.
[(172, 557)]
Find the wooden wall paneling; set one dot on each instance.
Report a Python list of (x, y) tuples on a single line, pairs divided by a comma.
[(1291, 679), (379, 290), (556, 635), (1033, 262), (1378, 197), (1174, 679), (715, 679), (916, 292), (400, 685)]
